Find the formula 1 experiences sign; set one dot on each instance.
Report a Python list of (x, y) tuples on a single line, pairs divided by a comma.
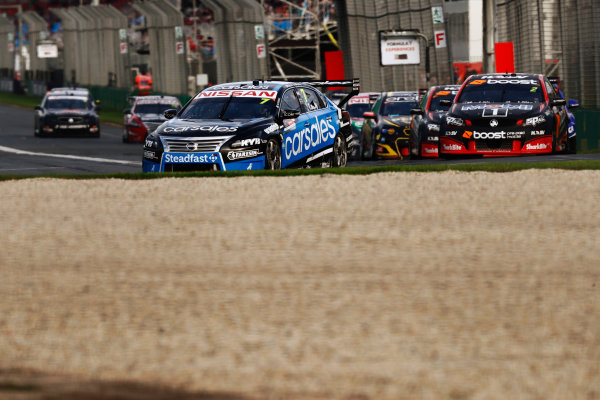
[(400, 50)]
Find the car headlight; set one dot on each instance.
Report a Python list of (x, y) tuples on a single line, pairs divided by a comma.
[(454, 121), (534, 121)]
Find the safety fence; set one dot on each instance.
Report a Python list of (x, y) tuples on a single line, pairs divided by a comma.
[(360, 22), (556, 38)]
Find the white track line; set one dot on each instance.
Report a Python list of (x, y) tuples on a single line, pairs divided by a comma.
[(96, 159)]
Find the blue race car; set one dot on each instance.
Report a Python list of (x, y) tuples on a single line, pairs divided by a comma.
[(253, 125), (571, 134)]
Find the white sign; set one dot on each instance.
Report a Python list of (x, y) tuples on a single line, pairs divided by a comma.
[(259, 32), (48, 50), (400, 50), (123, 48), (439, 37), (261, 51), (438, 15), (201, 79), (122, 34), (178, 32), (179, 48)]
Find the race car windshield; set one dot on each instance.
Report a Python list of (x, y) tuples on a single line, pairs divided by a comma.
[(229, 108), (502, 93), (435, 101), (153, 108), (69, 104), (357, 110), (395, 108)]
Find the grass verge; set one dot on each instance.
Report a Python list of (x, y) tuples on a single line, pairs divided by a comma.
[(491, 167), (27, 101)]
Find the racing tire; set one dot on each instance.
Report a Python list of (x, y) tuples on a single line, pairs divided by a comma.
[(572, 145), (411, 154), (272, 155), (125, 136), (339, 154), (36, 131)]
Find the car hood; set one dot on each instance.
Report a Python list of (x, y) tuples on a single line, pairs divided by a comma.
[(215, 127), (496, 110), (396, 121)]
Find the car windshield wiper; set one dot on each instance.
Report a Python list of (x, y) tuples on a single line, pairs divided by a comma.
[(225, 108)]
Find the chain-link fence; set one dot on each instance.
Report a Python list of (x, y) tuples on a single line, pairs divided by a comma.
[(360, 22), (556, 38)]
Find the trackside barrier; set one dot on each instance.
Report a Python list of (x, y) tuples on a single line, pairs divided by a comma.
[(6, 54), (359, 24), (235, 42), (167, 45), (36, 32), (587, 125)]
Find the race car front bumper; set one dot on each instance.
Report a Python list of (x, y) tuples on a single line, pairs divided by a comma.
[(180, 162), (492, 147)]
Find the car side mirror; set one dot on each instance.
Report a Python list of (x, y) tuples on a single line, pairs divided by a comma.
[(445, 102), (573, 103), (38, 108), (416, 111), (127, 111), (288, 114), (558, 102), (369, 115), (170, 113)]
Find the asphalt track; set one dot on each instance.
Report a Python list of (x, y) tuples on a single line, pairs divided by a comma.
[(22, 153)]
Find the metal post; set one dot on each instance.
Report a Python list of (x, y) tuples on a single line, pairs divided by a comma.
[(488, 35)]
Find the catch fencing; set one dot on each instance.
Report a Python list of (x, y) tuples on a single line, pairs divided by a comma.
[(6, 55), (361, 20), (556, 38)]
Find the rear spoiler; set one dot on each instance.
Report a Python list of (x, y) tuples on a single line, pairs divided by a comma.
[(355, 83)]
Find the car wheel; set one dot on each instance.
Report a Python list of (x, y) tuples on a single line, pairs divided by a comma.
[(339, 156), (414, 152), (273, 155), (36, 131)]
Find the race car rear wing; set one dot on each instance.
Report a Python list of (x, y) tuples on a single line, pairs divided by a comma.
[(355, 83)]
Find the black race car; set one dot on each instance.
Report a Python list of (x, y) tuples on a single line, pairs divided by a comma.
[(252, 125), (385, 132), (66, 112), (505, 114), (425, 125)]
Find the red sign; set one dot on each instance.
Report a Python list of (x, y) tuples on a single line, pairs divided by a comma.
[(179, 47), (505, 57), (261, 51), (123, 48), (440, 39)]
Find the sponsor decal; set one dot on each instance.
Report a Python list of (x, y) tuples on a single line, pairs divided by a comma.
[(241, 87), (489, 135), (504, 76), (454, 121), (397, 99), (190, 158), (433, 127), (474, 107), (260, 94), (237, 155), (451, 133), (570, 130), (429, 150), (247, 142), (359, 100), (309, 137), (477, 82), (149, 143), (467, 134), (538, 133), (538, 146), (534, 121), (452, 147), (493, 123), (149, 154), (515, 135), (495, 112), (432, 138), (206, 128), (272, 128), (512, 82)]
